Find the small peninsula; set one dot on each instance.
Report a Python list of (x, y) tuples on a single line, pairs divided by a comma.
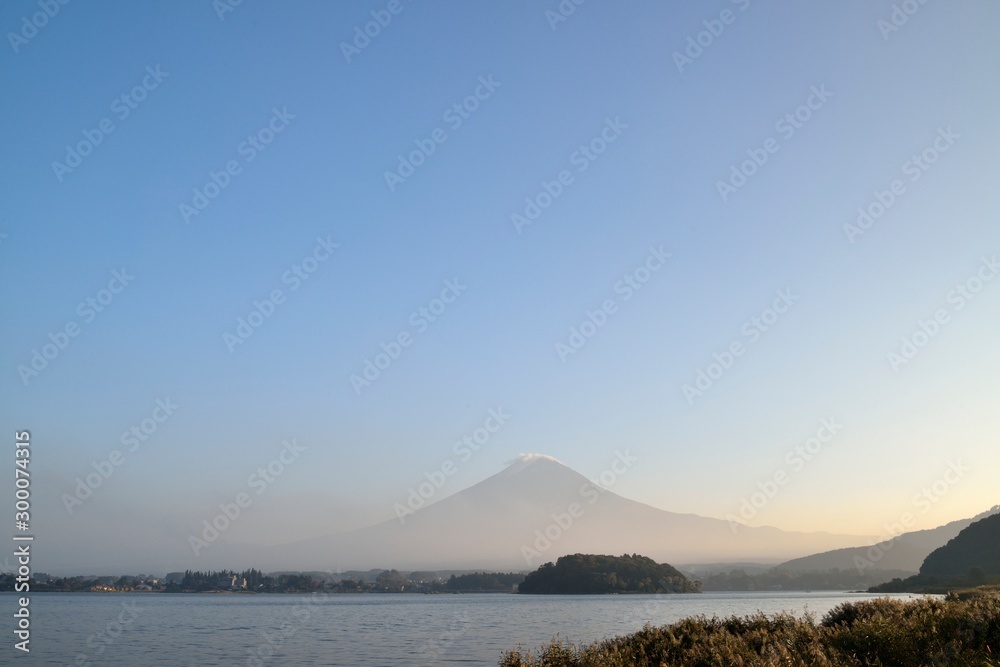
[(583, 574)]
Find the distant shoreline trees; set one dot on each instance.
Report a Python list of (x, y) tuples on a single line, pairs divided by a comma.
[(255, 581)]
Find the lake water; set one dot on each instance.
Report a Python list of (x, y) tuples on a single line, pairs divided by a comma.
[(357, 630)]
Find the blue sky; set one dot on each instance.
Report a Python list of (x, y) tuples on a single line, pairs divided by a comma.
[(554, 89)]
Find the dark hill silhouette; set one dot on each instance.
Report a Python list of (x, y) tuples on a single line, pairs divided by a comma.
[(978, 546), (969, 559), (905, 553)]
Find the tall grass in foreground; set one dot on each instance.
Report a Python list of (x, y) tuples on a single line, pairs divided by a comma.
[(963, 629)]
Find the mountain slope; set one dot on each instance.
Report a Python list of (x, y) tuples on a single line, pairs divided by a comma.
[(535, 511), (978, 546), (907, 552)]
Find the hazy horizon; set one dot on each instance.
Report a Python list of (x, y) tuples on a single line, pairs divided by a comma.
[(217, 256)]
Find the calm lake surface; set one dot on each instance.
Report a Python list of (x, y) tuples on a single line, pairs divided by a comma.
[(358, 630)]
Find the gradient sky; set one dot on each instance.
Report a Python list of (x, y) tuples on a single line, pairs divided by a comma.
[(495, 346)]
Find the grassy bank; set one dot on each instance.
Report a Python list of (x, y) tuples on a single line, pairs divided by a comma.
[(963, 629)]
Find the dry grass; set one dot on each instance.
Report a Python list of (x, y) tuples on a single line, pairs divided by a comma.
[(962, 630)]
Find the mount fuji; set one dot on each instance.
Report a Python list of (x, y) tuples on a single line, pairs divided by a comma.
[(534, 511)]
